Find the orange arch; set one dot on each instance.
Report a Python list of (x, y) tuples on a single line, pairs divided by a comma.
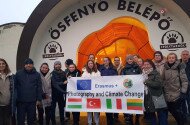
[(119, 28)]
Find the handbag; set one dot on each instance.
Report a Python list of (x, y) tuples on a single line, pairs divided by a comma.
[(159, 101)]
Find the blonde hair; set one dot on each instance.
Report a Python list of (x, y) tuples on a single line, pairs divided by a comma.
[(172, 54)]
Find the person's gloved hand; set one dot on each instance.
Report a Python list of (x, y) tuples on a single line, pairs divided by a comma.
[(182, 95), (44, 96)]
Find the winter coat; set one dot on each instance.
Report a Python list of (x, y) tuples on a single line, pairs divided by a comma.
[(171, 79), (187, 69), (5, 92), (110, 71), (131, 69), (155, 88), (99, 66), (57, 80), (28, 86), (47, 90), (93, 74), (76, 73), (154, 83), (8, 91)]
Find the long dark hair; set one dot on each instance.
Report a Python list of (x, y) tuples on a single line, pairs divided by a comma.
[(7, 69), (94, 69), (44, 64), (73, 65), (151, 63)]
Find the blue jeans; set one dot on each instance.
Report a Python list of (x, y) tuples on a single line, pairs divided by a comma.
[(162, 117)]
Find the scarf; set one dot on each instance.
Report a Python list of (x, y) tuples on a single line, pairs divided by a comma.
[(145, 74)]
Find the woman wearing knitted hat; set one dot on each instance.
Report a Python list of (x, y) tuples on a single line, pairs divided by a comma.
[(59, 82)]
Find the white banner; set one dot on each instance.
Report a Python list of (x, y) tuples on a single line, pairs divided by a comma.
[(121, 94)]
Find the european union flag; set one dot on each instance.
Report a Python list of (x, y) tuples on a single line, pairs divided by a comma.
[(84, 84)]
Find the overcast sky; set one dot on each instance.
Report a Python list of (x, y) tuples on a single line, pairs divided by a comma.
[(16, 10)]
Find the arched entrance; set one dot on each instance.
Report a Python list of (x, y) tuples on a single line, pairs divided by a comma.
[(121, 36)]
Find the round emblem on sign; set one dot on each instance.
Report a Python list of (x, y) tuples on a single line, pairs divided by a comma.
[(127, 83)]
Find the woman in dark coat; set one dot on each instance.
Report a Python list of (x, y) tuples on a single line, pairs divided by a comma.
[(153, 87)]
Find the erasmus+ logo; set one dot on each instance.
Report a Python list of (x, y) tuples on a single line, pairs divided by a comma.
[(84, 84)]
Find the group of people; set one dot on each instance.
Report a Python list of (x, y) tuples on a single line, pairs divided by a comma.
[(165, 78)]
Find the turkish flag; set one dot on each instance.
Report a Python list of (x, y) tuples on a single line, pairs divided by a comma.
[(93, 103)]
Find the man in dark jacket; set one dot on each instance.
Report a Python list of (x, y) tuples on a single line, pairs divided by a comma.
[(59, 82), (28, 87), (185, 57)]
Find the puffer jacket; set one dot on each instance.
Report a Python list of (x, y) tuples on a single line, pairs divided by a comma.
[(76, 73), (28, 86), (171, 78), (57, 80), (111, 71), (131, 69), (188, 70)]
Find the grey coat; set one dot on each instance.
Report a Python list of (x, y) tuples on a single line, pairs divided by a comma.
[(171, 77), (5, 93), (47, 91)]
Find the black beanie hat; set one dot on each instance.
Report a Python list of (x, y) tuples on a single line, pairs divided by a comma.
[(28, 61), (69, 61), (160, 53)]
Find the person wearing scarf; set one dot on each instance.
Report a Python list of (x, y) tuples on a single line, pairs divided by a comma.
[(175, 86), (46, 95), (58, 81), (153, 87)]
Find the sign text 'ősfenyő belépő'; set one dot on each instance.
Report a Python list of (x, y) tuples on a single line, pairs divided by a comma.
[(122, 94), (145, 11)]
